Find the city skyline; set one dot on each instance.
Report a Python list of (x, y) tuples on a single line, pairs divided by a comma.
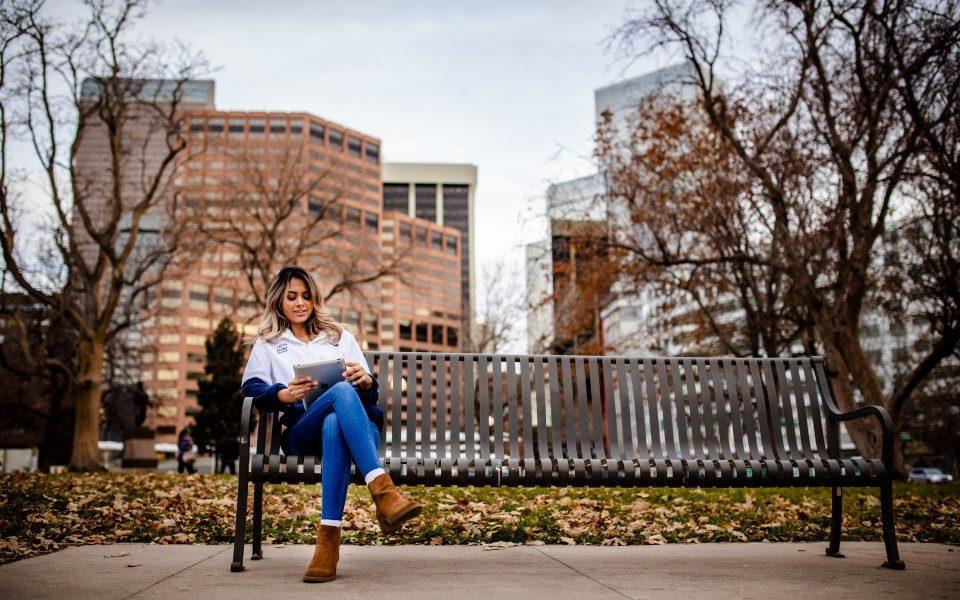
[(524, 126)]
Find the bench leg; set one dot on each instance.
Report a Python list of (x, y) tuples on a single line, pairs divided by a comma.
[(257, 521), (889, 530), (241, 525), (836, 521)]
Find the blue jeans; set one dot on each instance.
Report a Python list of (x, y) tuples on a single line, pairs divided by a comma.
[(336, 423)]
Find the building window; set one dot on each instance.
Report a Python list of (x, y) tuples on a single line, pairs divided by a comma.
[(256, 126), (436, 334), (372, 221), (404, 230), (278, 128), (451, 245), (335, 212), (215, 126), (236, 125), (426, 201), (421, 332), (396, 196), (373, 153), (405, 332), (296, 128), (353, 146), (316, 131), (436, 240), (451, 336), (421, 236), (196, 125), (336, 139), (314, 206), (353, 216)]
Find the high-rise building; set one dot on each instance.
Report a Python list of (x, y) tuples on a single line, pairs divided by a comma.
[(231, 160), (443, 193), (622, 99), (583, 200), (422, 306)]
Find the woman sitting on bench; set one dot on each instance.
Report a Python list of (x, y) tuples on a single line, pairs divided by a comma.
[(340, 426)]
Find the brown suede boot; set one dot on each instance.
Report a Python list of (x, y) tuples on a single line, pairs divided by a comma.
[(393, 509), (323, 567)]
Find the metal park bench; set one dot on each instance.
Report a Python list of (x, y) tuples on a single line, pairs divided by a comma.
[(505, 420)]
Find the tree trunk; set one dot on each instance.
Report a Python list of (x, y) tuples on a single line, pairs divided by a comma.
[(86, 456), (57, 440)]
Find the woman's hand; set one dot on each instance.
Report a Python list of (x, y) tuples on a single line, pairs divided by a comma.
[(355, 374), (296, 389)]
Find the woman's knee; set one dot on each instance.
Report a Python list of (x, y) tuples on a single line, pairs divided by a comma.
[(331, 426), (345, 393)]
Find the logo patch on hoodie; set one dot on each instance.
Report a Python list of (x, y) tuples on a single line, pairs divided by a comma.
[(281, 349)]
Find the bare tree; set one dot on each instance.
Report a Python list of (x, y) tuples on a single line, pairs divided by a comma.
[(682, 217), (830, 131), (280, 209), (100, 110), (502, 308)]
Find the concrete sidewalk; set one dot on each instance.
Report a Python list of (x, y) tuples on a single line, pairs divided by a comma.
[(524, 572)]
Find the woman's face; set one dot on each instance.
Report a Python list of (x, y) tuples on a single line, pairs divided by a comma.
[(297, 302)]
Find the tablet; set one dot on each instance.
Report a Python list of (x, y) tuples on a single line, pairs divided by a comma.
[(326, 373)]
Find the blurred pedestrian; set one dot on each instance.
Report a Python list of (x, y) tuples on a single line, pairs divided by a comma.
[(185, 453), (229, 451)]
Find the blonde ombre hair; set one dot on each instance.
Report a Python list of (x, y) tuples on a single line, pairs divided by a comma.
[(273, 323)]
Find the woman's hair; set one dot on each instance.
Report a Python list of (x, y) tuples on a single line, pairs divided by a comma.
[(273, 322)]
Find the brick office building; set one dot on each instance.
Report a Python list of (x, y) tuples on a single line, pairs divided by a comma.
[(425, 294), (212, 186)]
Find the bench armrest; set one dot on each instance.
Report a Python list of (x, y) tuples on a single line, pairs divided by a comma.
[(246, 415), (886, 427)]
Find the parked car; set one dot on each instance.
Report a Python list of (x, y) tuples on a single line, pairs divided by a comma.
[(929, 475)]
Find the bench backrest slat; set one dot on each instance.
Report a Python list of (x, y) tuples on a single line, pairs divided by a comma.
[(456, 407), (610, 405), (682, 431), (692, 409), (410, 372), (779, 450), (497, 398), (596, 406), (584, 435), (748, 410), (704, 404), (568, 413), (379, 364), (802, 419), (393, 391), (823, 387), (443, 417), (816, 414), (513, 414), (760, 397), (787, 411), (528, 413), (483, 403)]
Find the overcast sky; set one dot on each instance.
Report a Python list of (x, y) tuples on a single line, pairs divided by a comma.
[(505, 85)]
